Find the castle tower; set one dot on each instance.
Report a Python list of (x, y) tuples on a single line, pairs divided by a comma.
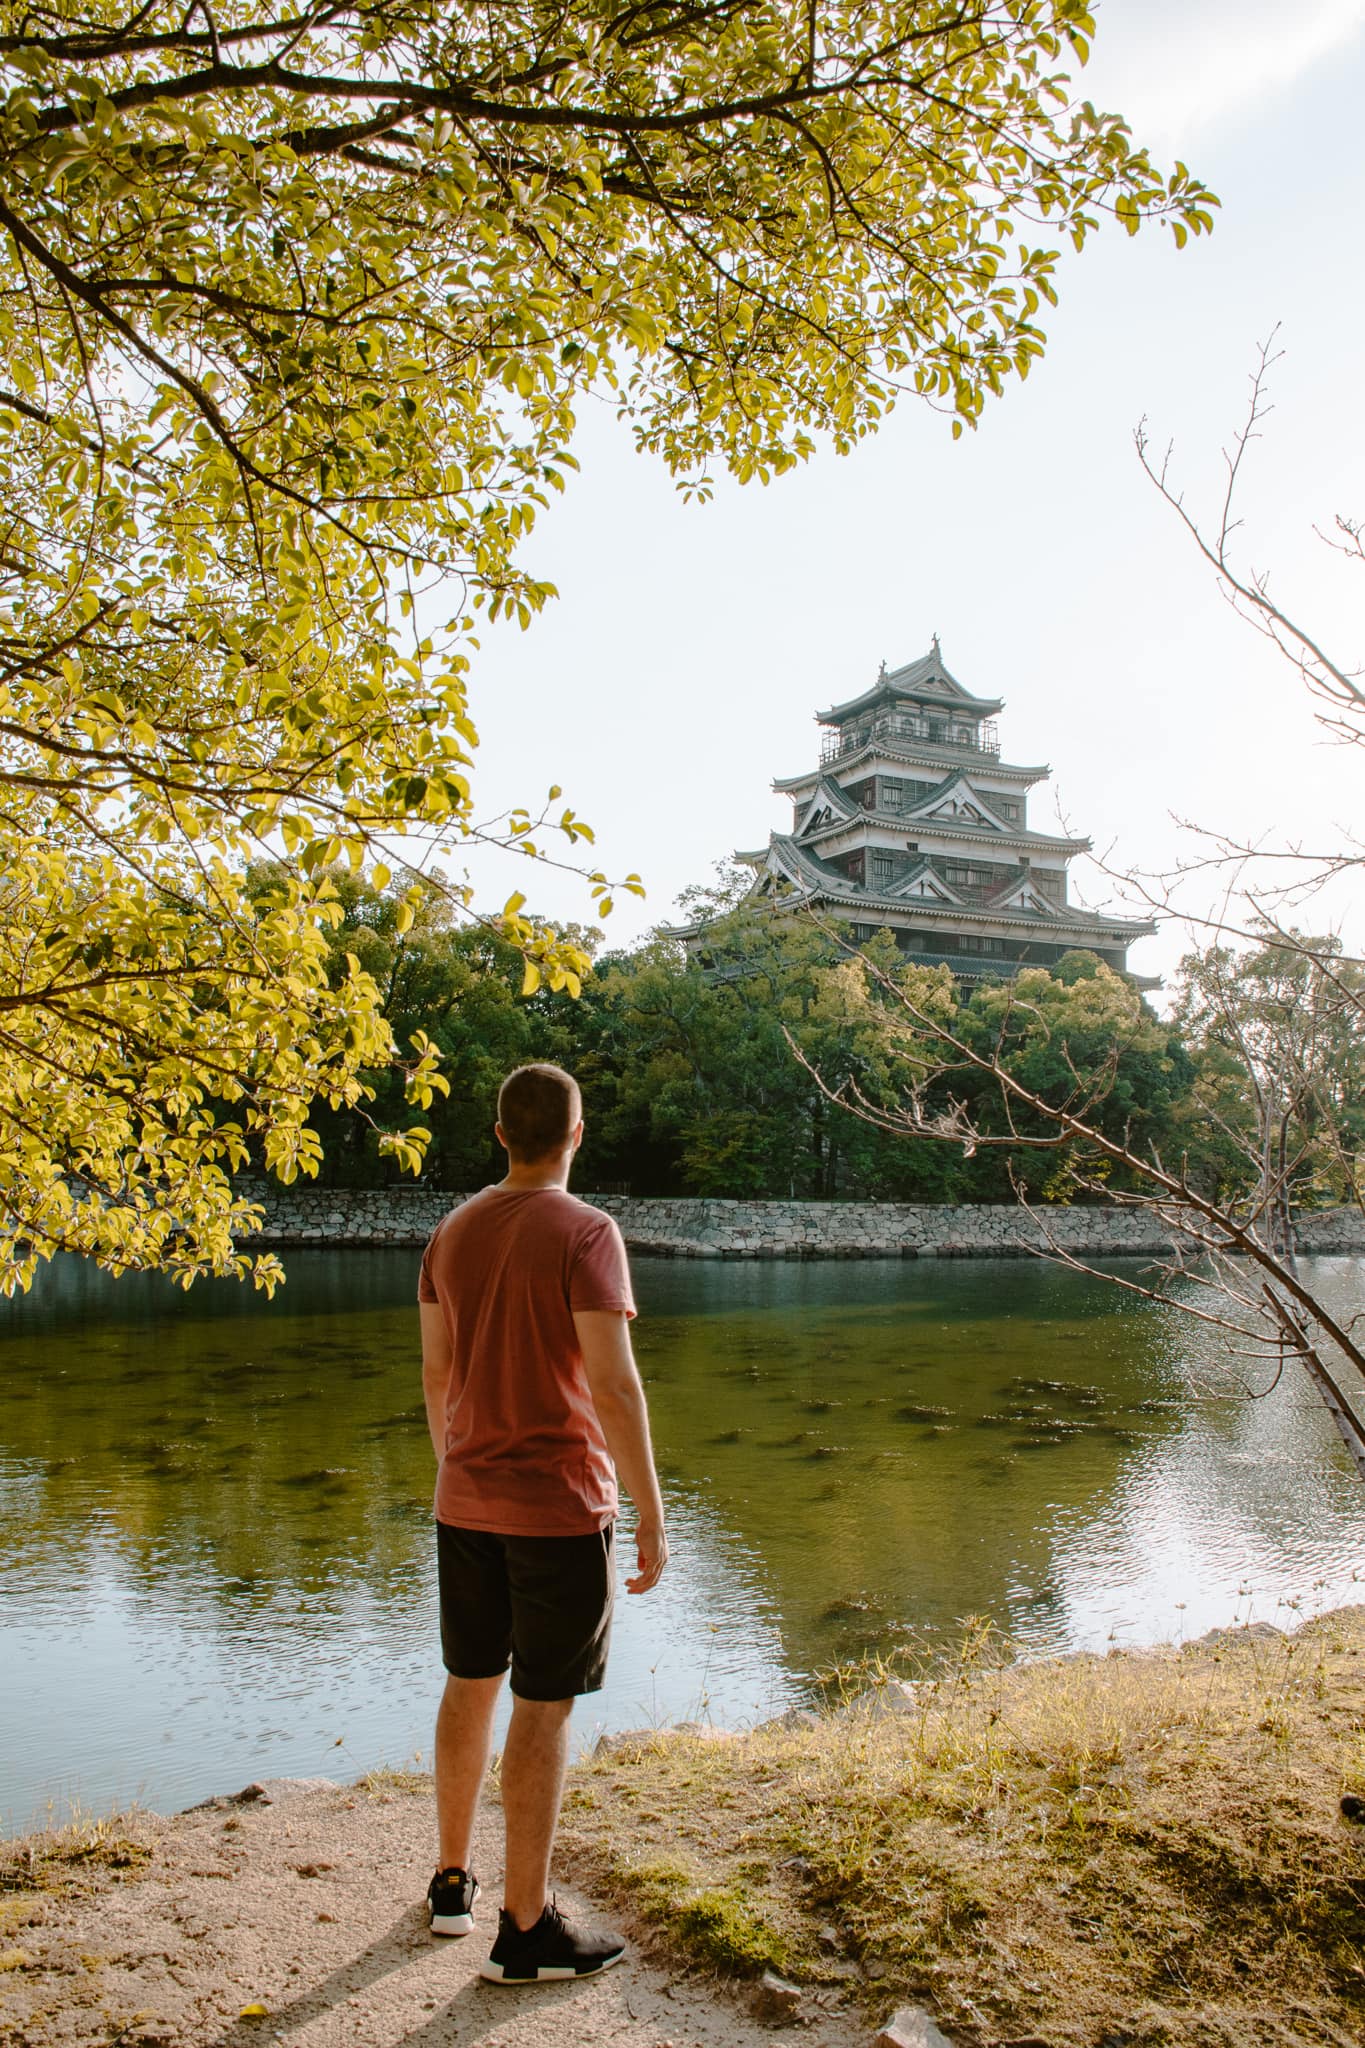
[(912, 822)]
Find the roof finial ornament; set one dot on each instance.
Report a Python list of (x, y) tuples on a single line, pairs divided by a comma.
[(881, 673), (938, 652)]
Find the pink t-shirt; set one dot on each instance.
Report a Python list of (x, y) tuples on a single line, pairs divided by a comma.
[(524, 1451)]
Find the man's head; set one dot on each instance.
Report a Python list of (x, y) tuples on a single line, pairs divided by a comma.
[(540, 1112)]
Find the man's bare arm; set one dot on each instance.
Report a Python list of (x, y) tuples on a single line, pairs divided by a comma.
[(437, 1360), (618, 1397)]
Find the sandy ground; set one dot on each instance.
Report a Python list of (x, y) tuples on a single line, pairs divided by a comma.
[(312, 1906)]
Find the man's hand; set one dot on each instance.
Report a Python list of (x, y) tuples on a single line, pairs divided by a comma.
[(651, 1555)]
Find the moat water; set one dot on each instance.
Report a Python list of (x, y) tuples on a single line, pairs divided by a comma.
[(215, 1549)]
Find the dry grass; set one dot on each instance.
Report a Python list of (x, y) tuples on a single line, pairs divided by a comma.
[(1131, 1849), (388, 1778)]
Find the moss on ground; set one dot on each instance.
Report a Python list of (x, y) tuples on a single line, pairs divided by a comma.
[(67, 1862), (1131, 1849), (58, 1864)]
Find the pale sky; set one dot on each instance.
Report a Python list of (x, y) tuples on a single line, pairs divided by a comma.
[(680, 668)]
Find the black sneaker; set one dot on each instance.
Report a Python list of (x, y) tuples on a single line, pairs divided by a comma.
[(450, 1899), (547, 1951)]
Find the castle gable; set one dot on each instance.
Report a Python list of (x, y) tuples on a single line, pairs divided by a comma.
[(923, 884), (955, 802), (1024, 895), (828, 805)]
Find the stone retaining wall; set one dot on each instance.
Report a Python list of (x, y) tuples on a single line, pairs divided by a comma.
[(703, 1228)]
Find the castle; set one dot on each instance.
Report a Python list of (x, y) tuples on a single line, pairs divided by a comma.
[(913, 823)]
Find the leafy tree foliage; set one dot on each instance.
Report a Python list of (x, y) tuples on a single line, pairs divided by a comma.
[(1277, 1032), (452, 985), (699, 1075), (1077, 1033), (703, 1092), (295, 311)]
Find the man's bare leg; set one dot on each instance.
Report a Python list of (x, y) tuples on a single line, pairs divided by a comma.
[(533, 1766), (464, 1736)]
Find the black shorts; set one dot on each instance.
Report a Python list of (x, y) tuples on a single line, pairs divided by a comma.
[(539, 1603)]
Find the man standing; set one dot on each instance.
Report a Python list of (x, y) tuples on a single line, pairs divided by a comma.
[(532, 1397)]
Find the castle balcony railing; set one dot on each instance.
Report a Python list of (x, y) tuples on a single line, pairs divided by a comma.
[(956, 736)]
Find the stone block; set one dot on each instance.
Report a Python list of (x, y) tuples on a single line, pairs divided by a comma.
[(912, 2027), (774, 1998), (626, 1738), (794, 1719), (892, 1698), (269, 1791)]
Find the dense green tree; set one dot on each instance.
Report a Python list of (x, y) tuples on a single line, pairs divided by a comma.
[(704, 1067), (710, 1075), (1077, 1033), (457, 986), (728, 1064), (295, 312)]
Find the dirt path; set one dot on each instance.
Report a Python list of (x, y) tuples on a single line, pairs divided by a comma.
[(311, 1906)]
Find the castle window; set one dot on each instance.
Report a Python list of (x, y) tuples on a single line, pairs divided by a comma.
[(883, 867), (958, 874)]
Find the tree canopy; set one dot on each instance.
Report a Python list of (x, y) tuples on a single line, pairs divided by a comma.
[(295, 313), (699, 1076)]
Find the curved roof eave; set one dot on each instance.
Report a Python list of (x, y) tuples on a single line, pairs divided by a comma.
[(942, 758), (890, 692), (914, 679), (1122, 931), (984, 835)]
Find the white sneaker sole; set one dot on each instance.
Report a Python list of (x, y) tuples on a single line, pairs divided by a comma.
[(547, 1973), (452, 1923)]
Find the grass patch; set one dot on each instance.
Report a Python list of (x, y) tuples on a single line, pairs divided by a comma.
[(70, 1861), (1137, 1848), (394, 1778)]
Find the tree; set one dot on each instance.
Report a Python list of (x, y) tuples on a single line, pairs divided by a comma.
[(1280, 1047), (1278, 1021), (295, 313), (455, 986), (1079, 1028), (687, 1080)]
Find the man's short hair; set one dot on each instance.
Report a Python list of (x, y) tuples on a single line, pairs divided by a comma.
[(538, 1107)]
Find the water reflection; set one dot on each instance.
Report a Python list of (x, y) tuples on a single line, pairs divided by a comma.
[(215, 1510)]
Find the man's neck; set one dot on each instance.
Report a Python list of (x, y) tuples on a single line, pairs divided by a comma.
[(523, 1177)]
